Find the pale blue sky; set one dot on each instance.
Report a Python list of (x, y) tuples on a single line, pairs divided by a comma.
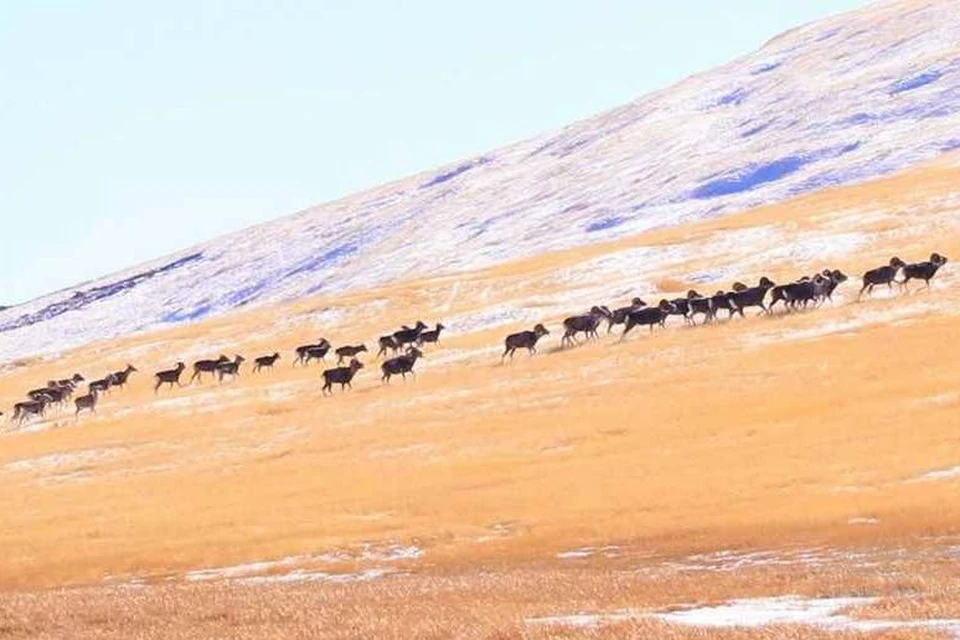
[(129, 130)]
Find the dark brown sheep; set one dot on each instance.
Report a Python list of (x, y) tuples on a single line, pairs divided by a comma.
[(265, 362), (349, 352), (523, 340), (881, 275), (170, 376), (341, 375), (401, 365), (207, 366), (923, 270)]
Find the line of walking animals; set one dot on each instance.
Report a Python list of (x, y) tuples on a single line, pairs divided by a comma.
[(799, 294)]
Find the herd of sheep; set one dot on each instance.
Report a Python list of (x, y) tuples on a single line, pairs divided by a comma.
[(405, 345)]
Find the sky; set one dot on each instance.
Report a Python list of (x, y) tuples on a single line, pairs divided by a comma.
[(132, 130)]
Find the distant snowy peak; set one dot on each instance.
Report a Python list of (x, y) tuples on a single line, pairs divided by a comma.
[(839, 101)]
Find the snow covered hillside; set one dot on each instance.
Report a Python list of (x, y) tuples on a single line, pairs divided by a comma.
[(839, 101)]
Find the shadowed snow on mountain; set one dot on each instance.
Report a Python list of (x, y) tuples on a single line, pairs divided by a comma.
[(839, 101)]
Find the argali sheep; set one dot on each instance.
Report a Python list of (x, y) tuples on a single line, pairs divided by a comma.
[(649, 316), (265, 362), (744, 297), (408, 335), (836, 278), (27, 408), (170, 376), (923, 270), (807, 289), (722, 300), (881, 275), (201, 367), (699, 305), (349, 351), (793, 294), (44, 392), (307, 352), (387, 343), (120, 377), (619, 315), (586, 324), (230, 368), (401, 365), (682, 308), (341, 375), (72, 381), (432, 336), (87, 402), (102, 385), (523, 340)]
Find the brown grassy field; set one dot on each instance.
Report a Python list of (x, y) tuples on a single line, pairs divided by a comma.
[(449, 505)]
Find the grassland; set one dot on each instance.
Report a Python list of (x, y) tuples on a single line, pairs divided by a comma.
[(813, 430)]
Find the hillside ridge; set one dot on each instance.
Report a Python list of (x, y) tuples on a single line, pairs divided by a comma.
[(835, 102)]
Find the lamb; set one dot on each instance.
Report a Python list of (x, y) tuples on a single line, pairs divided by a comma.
[(341, 375), (524, 339)]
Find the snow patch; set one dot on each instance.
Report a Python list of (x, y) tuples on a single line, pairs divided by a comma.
[(761, 612), (253, 572), (56, 460), (758, 612), (319, 576), (609, 551), (950, 473)]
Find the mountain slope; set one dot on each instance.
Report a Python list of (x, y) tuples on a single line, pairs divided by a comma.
[(835, 102)]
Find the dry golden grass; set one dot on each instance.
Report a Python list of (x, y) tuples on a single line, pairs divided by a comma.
[(469, 604), (763, 433)]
